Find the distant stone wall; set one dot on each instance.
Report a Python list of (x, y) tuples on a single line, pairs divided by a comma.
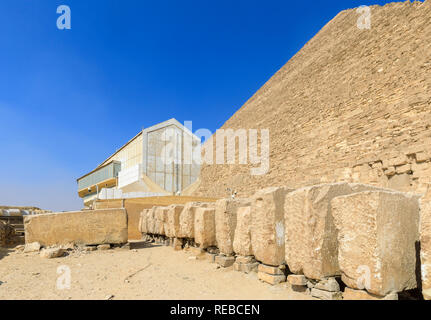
[(352, 105)]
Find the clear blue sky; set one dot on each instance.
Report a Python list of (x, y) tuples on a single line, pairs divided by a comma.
[(68, 99)]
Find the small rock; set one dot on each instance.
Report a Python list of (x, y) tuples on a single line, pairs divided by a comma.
[(32, 247), (90, 248), (329, 284), (52, 253), (105, 246), (109, 297)]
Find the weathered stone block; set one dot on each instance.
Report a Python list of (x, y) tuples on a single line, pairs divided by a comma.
[(246, 267), (242, 236), (32, 247), (326, 295), (187, 219), (270, 278), (267, 225), (378, 233), (245, 259), (52, 253), (172, 226), (205, 232), (297, 280), (225, 261), (151, 221), (425, 241), (311, 236), (352, 294), (270, 269), (329, 284), (161, 215), (81, 227), (226, 222)]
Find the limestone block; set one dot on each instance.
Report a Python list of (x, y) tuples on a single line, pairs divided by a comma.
[(205, 231), (172, 225), (329, 284), (151, 220), (224, 261), (242, 236), (352, 294), (187, 219), (32, 247), (270, 269), (143, 221), (297, 279), (80, 227), (270, 278), (226, 222), (161, 214), (245, 259), (267, 225), (378, 232), (425, 240), (326, 295), (311, 236), (52, 253)]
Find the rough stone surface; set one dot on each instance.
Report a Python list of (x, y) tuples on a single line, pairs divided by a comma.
[(81, 227), (187, 219), (245, 259), (270, 278), (242, 237), (352, 294), (226, 222), (224, 261), (425, 241), (297, 280), (143, 221), (205, 231), (104, 247), (172, 226), (267, 225), (426, 294), (246, 267), (161, 214), (311, 236), (52, 253), (326, 295), (270, 269), (32, 247), (151, 220), (378, 232), (329, 284)]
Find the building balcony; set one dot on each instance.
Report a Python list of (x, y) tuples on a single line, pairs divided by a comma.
[(102, 177)]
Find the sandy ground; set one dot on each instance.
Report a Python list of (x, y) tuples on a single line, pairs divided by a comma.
[(145, 272)]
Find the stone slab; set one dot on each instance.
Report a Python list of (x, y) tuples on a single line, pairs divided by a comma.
[(242, 236), (224, 261), (81, 227), (267, 225), (226, 222), (204, 227), (311, 237), (297, 280), (270, 278), (326, 295)]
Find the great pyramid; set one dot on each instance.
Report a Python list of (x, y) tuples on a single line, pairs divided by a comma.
[(352, 105)]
